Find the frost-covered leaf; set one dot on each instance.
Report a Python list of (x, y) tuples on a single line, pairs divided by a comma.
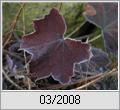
[(14, 62), (105, 16), (98, 63), (52, 53), (59, 61), (9, 62), (47, 32), (11, 65)]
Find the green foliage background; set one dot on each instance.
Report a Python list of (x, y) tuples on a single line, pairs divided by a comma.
[(34, 11)]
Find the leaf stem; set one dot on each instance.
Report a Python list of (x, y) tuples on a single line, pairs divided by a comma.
[(95, 38), (75, 30)]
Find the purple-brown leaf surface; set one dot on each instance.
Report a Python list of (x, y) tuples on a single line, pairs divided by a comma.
[(47, 31), (105, 16), (52, 54), (98, 63)]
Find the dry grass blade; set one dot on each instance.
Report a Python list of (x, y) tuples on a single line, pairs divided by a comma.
[(9, 34), (97, 79), (60, 7)]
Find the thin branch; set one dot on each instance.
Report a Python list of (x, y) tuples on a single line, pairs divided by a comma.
[(97, 79), (13, 26), (12, 82), (73, 85), (90, 80)]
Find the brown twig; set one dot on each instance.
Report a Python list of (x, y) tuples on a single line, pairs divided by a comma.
[(73, 85), (80, 84), (12, 82), (13, 25), (97, 79)]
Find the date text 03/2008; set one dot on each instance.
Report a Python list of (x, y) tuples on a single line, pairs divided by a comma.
[(60, 99)]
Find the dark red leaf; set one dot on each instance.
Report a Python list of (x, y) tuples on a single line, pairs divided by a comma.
[(52, 54), (59, 61), (47, 31), (105, 16)]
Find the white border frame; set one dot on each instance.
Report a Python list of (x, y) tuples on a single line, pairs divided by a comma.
[(4, 1)]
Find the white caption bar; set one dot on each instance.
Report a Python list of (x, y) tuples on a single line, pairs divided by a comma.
[(67, 100)]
